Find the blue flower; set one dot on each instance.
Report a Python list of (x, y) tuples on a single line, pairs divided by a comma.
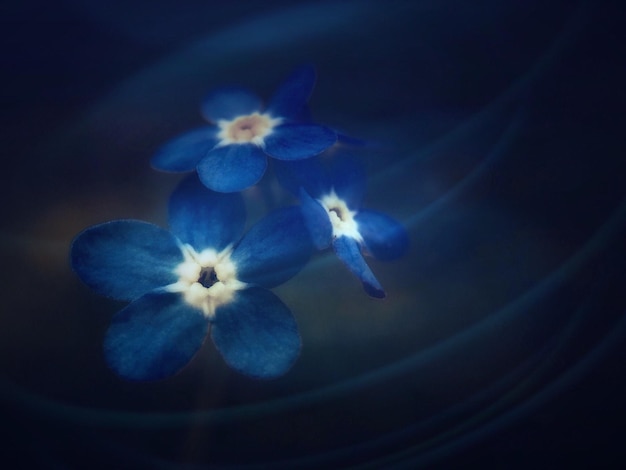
[(202, 274), (331, 199), (231, 154)]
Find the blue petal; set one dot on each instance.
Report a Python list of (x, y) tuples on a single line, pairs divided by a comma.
[(154, 337), (185, 151), (308, 174), (203, 218), (124, 259), (232, 167), (274, 249), (349, 252), (317, 221), (291, 97), (384, 237), (229, 103), (297, 141), (256, 334), (345, 175), (348, 179)]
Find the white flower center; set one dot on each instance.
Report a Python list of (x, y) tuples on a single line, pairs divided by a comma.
[(252, 128), (207, 279), (341, 217)]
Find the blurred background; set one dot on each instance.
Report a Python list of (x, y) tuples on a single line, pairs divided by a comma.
[(497, 139)]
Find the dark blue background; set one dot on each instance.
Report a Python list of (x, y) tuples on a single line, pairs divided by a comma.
[(501, 147)]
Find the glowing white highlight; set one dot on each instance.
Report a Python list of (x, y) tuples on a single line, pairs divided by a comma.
[(219, 289), (341, 217), (252, 128)]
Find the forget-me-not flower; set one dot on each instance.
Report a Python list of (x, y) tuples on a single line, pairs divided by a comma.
[(231, 154), (331, 198), (201, 274)]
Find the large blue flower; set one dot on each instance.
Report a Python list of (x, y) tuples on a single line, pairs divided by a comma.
[(331, 198), (201, 274), (231, 154)]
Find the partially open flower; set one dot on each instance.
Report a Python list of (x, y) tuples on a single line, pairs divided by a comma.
[(331, 202)]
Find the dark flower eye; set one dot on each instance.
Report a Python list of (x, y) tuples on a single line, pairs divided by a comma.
[(207, 277)]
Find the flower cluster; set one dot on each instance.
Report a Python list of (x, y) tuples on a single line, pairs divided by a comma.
[(205, 275)]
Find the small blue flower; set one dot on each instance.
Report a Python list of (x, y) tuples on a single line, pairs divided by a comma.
[(201, 274), (331, 202), (231, 154)]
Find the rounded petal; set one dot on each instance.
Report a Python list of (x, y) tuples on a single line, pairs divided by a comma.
[(274, 249), (185, 151), (232, 168), (289, 100), (228, 103), (348, 179), (349, 252), (203, 218), (298, 141), (154, 337), (384, 237), (317, 221), (256, 334), (124, 259)]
